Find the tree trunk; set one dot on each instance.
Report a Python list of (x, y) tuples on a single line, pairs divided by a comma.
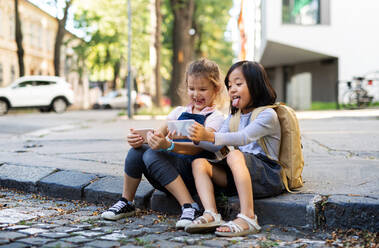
[(182, 45), (59, 38), (157, 47), (116, 73), (20, 49)]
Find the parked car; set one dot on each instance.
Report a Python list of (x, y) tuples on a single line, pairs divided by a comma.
[(44, 92), (119, 100), (144, 101), (114, 100)]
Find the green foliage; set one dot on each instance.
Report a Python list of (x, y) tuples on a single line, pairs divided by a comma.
[(105, 24), (210, 21), (323, 105), (267, 243), (211, 18), (154, 111)]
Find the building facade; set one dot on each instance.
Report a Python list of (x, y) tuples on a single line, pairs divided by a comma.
[(39, 30), (310, 46)]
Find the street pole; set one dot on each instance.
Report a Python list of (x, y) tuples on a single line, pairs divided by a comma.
[(130, 76)]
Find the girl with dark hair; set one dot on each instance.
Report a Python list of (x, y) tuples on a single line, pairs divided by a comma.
[(245, 170)]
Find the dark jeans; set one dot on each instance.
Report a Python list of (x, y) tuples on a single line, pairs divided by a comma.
[(159, 167)]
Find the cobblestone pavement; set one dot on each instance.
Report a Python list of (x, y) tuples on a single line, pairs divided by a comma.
[(28, 220)]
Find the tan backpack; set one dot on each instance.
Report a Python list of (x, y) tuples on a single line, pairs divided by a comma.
[(290, 154)]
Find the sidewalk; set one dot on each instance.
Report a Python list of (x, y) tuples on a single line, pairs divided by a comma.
[(341, 173)]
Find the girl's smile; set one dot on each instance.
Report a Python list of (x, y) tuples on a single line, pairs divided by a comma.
[(239, 91), (201, 91)]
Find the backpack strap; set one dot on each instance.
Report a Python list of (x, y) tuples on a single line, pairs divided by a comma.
[(234, 121)]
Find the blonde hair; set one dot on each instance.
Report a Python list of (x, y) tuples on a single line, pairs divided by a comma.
[(207, 69)]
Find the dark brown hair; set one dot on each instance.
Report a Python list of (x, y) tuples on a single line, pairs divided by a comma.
[(257, 82)]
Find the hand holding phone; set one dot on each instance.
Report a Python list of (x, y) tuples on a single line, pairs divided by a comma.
[(180, 126), (143, 133)]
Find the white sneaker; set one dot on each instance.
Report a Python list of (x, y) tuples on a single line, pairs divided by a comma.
[(119, 210), (189, 213)]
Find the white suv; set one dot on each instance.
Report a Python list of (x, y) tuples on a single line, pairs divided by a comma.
[(43, 92)]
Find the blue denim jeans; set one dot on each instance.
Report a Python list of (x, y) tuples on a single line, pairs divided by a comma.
[(159, 167)]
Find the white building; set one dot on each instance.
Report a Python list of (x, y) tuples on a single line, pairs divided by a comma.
[(307, 46)]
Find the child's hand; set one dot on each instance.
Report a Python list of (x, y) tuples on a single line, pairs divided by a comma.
[(157, 141), (134, 140), (172, 135), (197, 133)]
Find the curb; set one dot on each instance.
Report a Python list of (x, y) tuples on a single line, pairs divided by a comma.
[(305, 210)]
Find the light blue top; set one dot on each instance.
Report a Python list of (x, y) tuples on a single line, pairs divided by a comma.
[(266, 125)]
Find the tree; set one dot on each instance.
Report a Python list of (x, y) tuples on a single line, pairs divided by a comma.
[(182, 43), (204, 36), (155, 51), (210, 22), (105, 25), (189, 29), (20, 49), (60, 34)]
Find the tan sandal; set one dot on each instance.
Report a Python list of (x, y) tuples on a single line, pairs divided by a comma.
[(203, 225), (236, 230)]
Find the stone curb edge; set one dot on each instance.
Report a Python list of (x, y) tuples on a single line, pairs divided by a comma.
[(305, 210)]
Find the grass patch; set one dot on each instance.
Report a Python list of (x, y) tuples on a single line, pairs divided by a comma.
[(323, 106), (149, 111), (154, 111)]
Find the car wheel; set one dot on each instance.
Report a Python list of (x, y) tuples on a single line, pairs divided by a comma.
[(59, 105), (3, 107)]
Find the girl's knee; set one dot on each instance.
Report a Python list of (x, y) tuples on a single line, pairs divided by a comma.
[(234, 155), (134, 155), (133, 163), (200, 165), (235, 158), (150, 156)]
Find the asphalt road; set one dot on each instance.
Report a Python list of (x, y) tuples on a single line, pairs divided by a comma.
[(17, 123)]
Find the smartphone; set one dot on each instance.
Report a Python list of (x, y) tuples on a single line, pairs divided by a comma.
[(180, 126), (143, 132)]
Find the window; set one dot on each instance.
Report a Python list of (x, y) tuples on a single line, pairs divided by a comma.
[(35, 30), (39, 37), (302, 12), (1, 74), (32, 35), (47, 33), (44, 83), (12, 25), (25, 84), (1, 24), (13, 73)]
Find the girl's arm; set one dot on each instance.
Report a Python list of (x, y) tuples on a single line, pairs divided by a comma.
[(163, 129), (199, 133), (158, 141), (265, 124)]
